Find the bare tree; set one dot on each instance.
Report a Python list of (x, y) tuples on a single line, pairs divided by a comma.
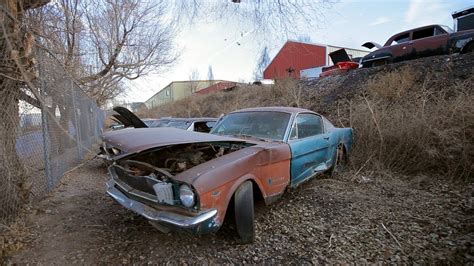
[(102, 43), (266, 18), (16, 64), (304, 38), (262, 63), (210, 73), (194, 80)]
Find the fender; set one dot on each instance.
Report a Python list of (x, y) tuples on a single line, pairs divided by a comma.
[(466, 44), (222, 211)]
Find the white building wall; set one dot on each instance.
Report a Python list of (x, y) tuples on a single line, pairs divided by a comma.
[(311, 73), (351, 52)]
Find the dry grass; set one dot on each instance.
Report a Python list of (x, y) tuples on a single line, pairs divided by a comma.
[(403, 121), (410, 128), (13, 238)]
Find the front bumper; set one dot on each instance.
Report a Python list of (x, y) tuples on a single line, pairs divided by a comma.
[(203, 222)]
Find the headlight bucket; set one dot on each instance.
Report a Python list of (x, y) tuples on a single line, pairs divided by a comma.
[(115, 151), (186, 196)]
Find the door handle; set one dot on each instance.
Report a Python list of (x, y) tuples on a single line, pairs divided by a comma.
[(326, 138)]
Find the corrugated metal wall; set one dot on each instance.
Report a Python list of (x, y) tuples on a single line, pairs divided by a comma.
[(297, 56)]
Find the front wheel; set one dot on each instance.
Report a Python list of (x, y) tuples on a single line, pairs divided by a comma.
[(244, 212), (381, 62)]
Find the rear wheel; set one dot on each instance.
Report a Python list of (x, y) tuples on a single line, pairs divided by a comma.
[(469, 48), (244, 212), (340, 161)]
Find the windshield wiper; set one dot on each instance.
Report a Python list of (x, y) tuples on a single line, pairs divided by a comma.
[(250, 136)]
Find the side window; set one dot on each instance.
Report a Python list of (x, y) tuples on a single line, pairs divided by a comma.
[(439, 31), (306, 125), (425, 33), (401, 39), (204, 127)]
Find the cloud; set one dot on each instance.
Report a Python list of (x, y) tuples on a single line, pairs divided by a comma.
[(380, 20), (413, 10), (422, 12)]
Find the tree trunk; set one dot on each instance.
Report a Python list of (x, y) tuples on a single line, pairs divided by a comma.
[(14, 190)]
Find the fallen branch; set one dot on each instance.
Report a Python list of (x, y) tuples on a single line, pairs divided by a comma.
[(360, 169), (394, 238)]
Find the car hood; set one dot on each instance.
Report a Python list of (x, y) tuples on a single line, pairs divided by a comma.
[(128, 118), (131, 141)]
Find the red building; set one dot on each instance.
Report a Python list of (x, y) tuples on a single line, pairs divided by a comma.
[(294, 57), (224, 85)]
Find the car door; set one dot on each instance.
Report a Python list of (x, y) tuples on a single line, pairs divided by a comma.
[(428, 41), (309, 147), (400, 47)]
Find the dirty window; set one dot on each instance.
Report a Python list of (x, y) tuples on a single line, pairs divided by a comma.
[(401, 39), (179, 124), (306, 125), (203, 126), (268, 125), (447, 29), (425, 33), (156, 123)]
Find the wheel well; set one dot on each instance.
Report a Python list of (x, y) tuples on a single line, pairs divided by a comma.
[(466, 47), (257, 194), (344, 152), (257, 198)]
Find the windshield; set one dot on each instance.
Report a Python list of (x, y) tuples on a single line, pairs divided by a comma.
[(179, 124), (447, 29), (268, 125), (151, 122)]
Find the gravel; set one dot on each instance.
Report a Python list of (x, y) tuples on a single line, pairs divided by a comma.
[(327, 220)]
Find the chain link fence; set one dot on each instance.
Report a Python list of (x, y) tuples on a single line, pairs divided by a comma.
[(41, 139)]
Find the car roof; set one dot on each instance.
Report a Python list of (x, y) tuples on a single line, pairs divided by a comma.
[(283, 109), (410, 30), (181, 119)]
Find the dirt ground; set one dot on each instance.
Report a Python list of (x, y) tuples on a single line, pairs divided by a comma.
[(345, 219)]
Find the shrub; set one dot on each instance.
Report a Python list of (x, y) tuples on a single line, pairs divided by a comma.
[(404, 121)]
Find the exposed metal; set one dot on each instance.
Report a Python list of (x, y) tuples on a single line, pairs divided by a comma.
[(170, 218)]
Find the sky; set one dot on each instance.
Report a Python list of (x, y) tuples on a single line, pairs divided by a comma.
[(232, 49)]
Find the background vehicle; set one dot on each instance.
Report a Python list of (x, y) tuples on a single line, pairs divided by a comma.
[(129, 119), (464, 19), (420, 42), (184, 180), (342, 64)]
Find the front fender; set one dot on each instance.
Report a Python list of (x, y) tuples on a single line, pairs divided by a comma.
[(220, 197)]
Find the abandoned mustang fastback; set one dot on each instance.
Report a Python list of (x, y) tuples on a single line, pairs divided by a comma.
[(189, 181)]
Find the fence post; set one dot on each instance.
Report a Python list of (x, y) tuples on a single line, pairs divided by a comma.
[(46, 144), (76, 122)]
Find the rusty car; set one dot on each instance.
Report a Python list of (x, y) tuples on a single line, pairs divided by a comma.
[(127, 120), (190, 181), (342, 64), (419, 42)]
